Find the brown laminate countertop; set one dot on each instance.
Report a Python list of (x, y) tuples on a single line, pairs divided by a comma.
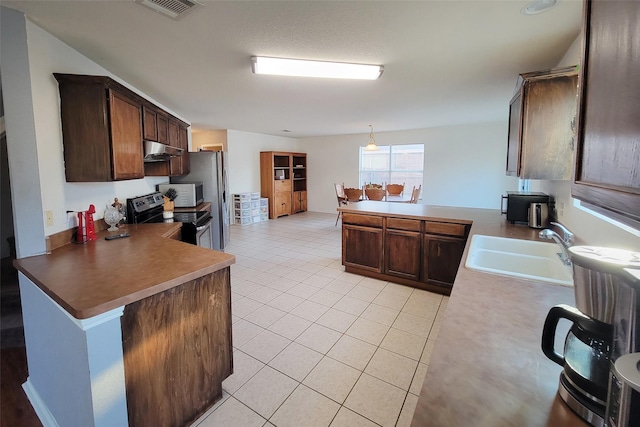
[(487, 367), (93, 278)]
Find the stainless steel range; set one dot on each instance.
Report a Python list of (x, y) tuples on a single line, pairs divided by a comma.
[(196, 226)]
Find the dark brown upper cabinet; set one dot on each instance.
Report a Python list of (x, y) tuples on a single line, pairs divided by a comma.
[(101, 129), (104, 125), (607, 172), (541, 135)]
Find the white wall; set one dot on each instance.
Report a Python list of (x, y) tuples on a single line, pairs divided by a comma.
[(243, 154), (216, 137), (21, 137), (589, 228), (463, 166), (30, 56)]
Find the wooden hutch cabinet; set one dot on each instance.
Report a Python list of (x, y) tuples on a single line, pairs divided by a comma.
[(283, 180), (607, 173), (541, 135)]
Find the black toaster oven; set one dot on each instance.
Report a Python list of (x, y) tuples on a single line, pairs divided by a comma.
[(517, 209)]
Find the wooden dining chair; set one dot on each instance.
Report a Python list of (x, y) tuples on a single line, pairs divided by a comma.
[(395, 189), (354, 194), (374, 192), (415, 194), (342, 198)]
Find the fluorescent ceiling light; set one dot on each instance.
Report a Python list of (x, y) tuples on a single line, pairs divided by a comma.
[(303, 68)]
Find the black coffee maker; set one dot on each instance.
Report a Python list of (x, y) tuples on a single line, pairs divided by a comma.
[(584, 381)]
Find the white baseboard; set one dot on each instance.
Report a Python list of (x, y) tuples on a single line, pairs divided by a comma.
[(46, 418)]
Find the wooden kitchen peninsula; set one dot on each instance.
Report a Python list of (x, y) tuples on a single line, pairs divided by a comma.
[(133, 331), (411, 244)]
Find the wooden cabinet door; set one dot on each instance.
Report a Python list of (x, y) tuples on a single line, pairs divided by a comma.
[(362, 247), (547, 134), (149, 125), (441, 258), (402, 253), (608, 155), (541, 133), (178, 138), (163, 129), (515, 135), (183, 137), (173, 133), (126, 137), (303, 201), (282, 203), (299, 201)]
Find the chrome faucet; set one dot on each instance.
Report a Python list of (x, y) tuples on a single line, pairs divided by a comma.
[(564, 242)]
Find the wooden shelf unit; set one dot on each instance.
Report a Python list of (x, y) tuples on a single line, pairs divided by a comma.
[(283, 180)]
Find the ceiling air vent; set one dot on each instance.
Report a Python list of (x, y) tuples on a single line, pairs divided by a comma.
[(172, 8)]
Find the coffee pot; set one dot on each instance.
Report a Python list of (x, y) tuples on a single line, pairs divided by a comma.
[(538, 215), (589, 344), (587, 347)]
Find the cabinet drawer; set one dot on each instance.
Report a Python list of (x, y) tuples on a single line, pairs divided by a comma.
[(371, 221), (447, 228), (403, 224), (282, 185)]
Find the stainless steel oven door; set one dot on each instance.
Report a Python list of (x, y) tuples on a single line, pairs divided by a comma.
[(204, 237)]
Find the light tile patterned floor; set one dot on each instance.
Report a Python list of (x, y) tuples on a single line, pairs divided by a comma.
[(313, 345)]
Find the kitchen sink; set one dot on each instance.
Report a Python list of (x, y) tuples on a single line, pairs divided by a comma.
[(518, 258)]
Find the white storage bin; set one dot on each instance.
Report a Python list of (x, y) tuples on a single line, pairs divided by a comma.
[(255, 196), (243, 220), (242, 205)]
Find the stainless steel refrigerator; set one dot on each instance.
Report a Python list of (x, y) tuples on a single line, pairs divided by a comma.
[(210, 168)]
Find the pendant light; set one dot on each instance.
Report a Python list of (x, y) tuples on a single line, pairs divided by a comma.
[(371, 146)]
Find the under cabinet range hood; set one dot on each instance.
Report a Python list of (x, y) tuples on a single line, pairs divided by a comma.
[(158, 152)]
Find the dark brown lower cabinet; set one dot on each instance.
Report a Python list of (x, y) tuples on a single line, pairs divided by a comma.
[(177, 351), (402, 253), (442, 256), (421, 253), (362, 247)]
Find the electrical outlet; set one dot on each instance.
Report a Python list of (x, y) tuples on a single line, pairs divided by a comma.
[(48, 214)]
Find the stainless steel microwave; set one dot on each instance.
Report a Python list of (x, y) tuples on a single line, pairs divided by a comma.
[(190, 194)]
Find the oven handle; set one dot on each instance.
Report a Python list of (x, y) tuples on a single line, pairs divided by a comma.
[(202, 227)]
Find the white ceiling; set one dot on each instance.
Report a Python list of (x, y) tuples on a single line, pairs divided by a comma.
[(446, 62)]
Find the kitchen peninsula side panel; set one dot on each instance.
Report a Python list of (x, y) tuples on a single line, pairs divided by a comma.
[(177, 351)]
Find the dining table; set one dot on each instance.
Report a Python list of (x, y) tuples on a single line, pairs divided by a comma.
[(399, 198)]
